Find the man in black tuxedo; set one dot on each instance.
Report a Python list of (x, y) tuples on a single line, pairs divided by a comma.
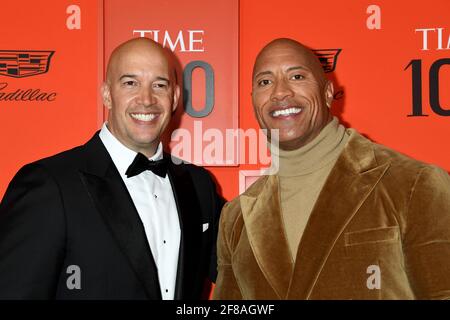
[(114, 218)]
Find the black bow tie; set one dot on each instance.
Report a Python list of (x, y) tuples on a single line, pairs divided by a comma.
[(141, 163)]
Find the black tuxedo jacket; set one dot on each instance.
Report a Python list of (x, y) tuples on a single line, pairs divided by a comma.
[(73, 209)]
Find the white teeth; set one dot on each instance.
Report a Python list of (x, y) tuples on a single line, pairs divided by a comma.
[(143, 116), (286, 112)]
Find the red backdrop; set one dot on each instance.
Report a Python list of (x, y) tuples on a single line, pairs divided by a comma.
[(371, 72)]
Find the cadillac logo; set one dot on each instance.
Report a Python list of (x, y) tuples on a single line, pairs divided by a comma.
[(24, 63), (328, 58)]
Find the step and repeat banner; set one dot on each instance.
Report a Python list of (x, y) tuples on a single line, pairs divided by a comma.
[(204, 38), (389, 60), (391, 67), (49, 74)]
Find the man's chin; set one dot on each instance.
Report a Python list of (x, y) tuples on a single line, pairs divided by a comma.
[(291, 143), (145, 141)]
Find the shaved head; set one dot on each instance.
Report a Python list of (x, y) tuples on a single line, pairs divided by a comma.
[(290, 92), (136, 46), (141, 93), (309, 57)]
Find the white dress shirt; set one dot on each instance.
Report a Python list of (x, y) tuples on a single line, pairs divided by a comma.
[(155, 204)]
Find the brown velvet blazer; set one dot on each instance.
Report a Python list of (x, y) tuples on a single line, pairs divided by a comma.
[(377, 207)]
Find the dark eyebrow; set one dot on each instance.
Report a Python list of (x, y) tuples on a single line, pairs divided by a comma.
[(299, 67), (128, 76), (133, 76), (163, 79), (262, 73)]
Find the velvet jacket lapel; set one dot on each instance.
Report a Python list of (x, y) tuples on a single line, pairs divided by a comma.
[(265, 231), (113, 201), (351, 180)]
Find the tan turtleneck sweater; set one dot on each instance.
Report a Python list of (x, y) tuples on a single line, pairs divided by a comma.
[(302, 174)]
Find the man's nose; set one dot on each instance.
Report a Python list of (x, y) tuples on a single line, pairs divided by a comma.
[(281, 91), (146, 97)]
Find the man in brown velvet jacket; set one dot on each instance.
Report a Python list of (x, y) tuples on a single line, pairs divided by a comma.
[(344, 218)]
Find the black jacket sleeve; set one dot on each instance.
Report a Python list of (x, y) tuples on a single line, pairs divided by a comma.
[(32, 235)]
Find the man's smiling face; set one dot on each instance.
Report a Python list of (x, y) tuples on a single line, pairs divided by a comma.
[(141, 94), (290, 93)]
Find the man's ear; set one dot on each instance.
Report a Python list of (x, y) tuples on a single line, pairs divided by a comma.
[(106, 95), (176, 97), (329, 93)]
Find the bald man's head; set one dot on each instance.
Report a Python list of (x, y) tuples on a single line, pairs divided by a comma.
[(290, 92), (141, 93), (137, 45), (308, 56)]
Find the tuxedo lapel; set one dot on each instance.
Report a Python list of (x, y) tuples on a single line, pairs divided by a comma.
[(189, 214), (351, 180), (265, 230), (113, 201)]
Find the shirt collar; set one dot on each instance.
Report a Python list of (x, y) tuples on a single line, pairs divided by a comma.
[(121, 155)]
